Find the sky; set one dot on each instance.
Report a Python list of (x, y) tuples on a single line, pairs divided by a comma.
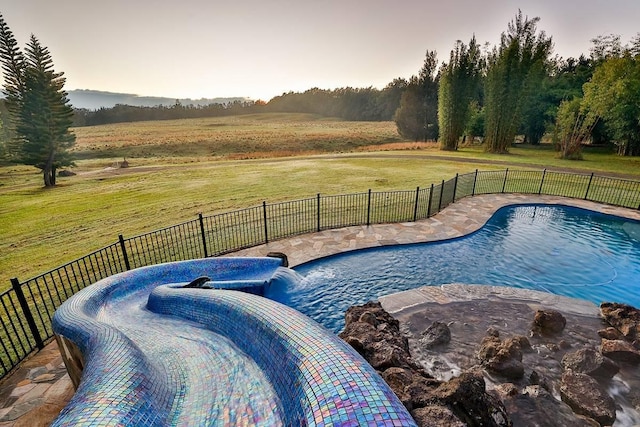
[(263, 48)]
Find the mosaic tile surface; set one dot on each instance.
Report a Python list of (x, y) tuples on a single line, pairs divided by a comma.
[(159, 354)]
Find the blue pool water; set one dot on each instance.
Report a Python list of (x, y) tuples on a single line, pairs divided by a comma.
[(559, 249)]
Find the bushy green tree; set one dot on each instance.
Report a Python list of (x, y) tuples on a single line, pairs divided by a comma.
[(39, 110), (574, 126), (417, 115), (459, 80), (475, 124), (613, 94), (515, 70)]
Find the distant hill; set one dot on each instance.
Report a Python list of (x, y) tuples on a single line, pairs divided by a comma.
[(95, 99)]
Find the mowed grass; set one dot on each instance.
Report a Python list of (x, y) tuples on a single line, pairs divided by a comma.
[(42, 229), (170, 180)]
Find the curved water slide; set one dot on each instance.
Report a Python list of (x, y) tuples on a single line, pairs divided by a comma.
[(153, 352)]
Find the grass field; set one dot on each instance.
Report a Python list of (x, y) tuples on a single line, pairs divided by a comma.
[(180, 168)]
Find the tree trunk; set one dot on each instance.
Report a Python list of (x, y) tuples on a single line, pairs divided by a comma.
[(49, 171), (46, 175)]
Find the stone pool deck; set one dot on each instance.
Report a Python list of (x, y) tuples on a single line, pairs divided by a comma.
[(35, 393)]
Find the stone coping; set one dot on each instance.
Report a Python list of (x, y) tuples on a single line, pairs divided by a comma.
[(458, 292), (458, 219)]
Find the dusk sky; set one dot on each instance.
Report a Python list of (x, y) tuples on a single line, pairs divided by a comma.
[(260, 48)]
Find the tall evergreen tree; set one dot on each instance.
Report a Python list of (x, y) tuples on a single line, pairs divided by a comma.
[(13, 73), (38, 106), (417, 115), (45, 116), (459, 80), (515, 70)]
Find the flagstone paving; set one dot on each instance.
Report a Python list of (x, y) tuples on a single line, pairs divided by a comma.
[(36, 392), (462, 217)]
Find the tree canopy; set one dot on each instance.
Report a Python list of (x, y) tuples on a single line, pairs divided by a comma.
[(613, 94)]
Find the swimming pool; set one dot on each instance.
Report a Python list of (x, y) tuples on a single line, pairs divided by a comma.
[(560, 249)]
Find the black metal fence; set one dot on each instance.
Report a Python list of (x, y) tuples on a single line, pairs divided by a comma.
[(26, 309)]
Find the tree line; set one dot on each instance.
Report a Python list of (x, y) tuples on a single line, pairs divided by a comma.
[(492, 94), (518, 88), (122, 113), (359, 104)]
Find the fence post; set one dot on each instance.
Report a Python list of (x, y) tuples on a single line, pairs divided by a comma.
[(544, 172), (318, 212), (475, 179), (124, 252), (204, 237), (441, 192), (369, 209), (27, 313), (455, 187), (430, 199), (504, 183), (264, 216), (588, 186), (415, 207)]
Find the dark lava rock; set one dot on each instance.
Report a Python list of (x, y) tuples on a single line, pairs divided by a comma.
[(461, 401), (549, 322), (591, 362), (436, 416), (399, 379), (585, 396), (535, 406), (536, 379), (502, 357), (620, 351), (610, 333), (493, 332), (373, 333), (623, 317), (466, 397), (436, 334)]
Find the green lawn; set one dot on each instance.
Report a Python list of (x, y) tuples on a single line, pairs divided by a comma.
[(44, 228)]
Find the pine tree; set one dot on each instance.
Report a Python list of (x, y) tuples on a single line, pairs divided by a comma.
[(13, 72), (39, 109)]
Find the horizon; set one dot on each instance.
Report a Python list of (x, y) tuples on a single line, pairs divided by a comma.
[(259, 51)]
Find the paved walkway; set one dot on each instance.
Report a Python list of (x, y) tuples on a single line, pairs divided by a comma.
[(460, 218), (36, 392)]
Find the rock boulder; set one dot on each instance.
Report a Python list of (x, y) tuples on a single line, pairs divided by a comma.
[(624, 318), (591, 362), (548, 322), (620, 351), (586, 397)]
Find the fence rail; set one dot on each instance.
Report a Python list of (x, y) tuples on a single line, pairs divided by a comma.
[(26, 309)]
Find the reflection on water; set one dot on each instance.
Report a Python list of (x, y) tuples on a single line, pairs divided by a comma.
[(564, 250)]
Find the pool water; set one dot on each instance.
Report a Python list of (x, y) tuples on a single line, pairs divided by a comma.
[(564, 250)]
